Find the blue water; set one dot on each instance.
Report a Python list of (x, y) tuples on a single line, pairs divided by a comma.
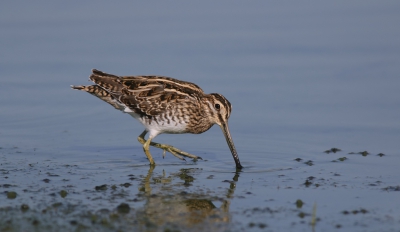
[(302, 77)]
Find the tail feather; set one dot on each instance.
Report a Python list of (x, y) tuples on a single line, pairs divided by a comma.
[(107, 87), (101, 73), (106, 81), (78, 87), (92, 89), (101, 93)]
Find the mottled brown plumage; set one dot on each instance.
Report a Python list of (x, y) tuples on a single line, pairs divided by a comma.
[(163, 105)]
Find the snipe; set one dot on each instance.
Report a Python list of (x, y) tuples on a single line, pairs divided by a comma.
[(164, 105)]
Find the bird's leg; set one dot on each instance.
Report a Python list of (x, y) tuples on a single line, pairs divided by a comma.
[(146, 147), (173, 150), (143, 141), (141, 137)]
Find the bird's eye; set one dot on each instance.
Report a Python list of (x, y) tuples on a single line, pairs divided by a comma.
[(217, 106)]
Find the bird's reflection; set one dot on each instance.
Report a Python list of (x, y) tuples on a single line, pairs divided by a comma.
[(175, 202)]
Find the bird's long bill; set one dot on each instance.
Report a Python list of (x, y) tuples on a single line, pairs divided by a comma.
[(228, 137)]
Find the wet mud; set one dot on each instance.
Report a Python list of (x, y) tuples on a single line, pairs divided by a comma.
[(40, 194)]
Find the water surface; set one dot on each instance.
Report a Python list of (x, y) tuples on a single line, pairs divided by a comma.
[(302, 79)]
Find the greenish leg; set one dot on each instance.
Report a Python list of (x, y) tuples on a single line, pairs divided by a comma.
[(173, 150), (146, 147)]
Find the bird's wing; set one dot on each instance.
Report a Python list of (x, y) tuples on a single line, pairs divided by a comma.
[(147, 95)]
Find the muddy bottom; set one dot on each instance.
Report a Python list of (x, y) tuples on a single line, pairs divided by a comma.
[(333, 191)]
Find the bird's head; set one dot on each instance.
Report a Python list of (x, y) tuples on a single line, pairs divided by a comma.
[(220, 110)]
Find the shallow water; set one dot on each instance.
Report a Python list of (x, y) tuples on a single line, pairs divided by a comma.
[(301, 79)]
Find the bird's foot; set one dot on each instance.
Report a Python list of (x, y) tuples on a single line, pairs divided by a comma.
[(173, 150)]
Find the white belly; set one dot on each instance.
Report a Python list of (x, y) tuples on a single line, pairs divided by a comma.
[(156, 125), (160, 125)]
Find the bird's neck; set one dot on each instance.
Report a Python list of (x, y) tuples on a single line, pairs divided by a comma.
[(203, 120)]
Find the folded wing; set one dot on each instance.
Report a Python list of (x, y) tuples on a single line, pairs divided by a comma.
[(144, 95)]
